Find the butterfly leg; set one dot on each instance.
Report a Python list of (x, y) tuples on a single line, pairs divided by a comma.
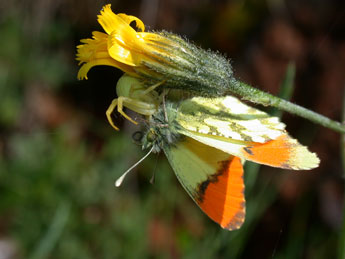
[(109, 111), (165, 93)]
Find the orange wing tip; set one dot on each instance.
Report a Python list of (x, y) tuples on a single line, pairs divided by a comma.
[(221, 196), (284, 152)]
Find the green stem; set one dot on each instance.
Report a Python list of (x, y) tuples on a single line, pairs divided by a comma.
[(341, 245), (256, 96), (342, 142)]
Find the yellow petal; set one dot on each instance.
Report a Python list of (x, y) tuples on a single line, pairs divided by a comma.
[(92, 48), (121, 51), (94, 52), (129, 18), (82, 73), (111, 22)]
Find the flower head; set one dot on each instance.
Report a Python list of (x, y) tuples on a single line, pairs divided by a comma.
[(153, 56)]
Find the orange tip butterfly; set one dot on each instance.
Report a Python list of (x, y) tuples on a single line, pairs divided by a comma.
[(207, 140)]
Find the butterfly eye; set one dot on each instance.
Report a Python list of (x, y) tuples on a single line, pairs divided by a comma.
[(149, 139), (151, 136)]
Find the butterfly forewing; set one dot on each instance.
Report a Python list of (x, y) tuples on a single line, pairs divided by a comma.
[(228, 117)]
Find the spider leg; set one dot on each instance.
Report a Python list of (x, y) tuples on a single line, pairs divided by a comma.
[(121, 101), (133, 104), (140, 107), (151, 88), (109, 111)]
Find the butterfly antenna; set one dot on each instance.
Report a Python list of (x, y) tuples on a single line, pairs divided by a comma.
[(153, 178), (119, 181)]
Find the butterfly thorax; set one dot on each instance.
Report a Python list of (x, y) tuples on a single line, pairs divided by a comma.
[(162, 129)]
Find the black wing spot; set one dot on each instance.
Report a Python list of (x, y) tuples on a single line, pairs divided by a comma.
[(201, 189), (248, 150)]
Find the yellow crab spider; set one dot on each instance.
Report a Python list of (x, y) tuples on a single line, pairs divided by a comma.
[(135, 96)]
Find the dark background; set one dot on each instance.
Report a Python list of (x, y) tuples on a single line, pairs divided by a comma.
[(59, 157)]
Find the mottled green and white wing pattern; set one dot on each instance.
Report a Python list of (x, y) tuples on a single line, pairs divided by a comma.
[(228, 117)]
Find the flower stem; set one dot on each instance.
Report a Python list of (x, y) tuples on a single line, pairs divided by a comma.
[(256, 96), (342, 146), (341, 245)]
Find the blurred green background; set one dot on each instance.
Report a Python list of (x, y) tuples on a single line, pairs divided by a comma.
[(59, 157)]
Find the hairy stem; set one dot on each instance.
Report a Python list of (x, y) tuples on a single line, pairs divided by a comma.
[(256, 96)]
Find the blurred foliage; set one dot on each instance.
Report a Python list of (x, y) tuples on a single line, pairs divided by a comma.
[(59, 158)]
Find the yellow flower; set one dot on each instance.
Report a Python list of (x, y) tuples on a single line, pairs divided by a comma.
[(121, 46), (153, 57)]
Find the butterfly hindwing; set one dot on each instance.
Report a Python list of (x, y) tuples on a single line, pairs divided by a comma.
[(214, 179)]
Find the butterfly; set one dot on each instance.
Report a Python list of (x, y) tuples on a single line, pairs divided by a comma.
[(207, 140)]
